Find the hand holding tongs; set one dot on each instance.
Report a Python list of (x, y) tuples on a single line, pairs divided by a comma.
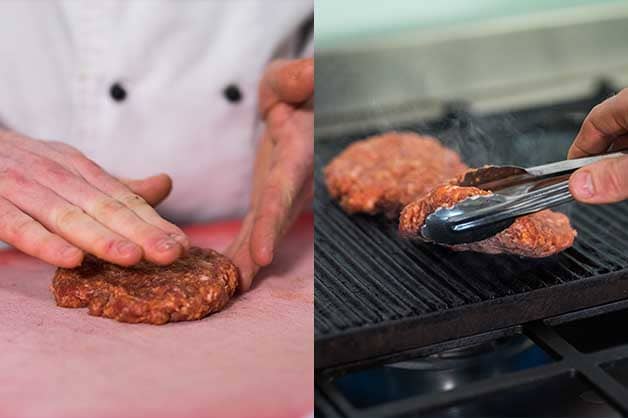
[(515, 192)]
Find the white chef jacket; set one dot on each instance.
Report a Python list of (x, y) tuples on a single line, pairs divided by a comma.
[(178, 62)]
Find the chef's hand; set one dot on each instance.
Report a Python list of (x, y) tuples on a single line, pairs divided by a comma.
[(56, 205), (282, 179), (604, 129)]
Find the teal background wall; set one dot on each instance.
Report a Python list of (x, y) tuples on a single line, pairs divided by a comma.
[(338, 21)]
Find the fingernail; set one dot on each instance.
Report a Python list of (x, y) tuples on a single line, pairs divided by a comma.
[(70, 252), (263, 256), (181, 239), (126, 247), (166, 244), (583, 184)]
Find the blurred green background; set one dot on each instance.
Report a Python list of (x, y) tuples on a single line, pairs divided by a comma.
[(345, 21)]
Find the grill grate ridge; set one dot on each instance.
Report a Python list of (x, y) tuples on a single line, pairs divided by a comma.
[(346, 296), (596, 243), (380, 295), (456, 278), (432, 275), (617, 219)]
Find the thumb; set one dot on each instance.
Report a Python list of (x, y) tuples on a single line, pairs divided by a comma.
[(153, 189), (293, 81), (603, 182), (287, 81)]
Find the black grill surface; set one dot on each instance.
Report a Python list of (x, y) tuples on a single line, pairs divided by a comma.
[(378, 294)]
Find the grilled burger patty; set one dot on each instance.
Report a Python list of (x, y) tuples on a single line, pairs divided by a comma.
[(385, 172), (540, 234), (197, 284)]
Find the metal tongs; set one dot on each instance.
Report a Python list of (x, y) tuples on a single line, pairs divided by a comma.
[(515, 191)]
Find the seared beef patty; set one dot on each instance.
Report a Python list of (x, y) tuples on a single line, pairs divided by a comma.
[(197, 284), (540, 234)]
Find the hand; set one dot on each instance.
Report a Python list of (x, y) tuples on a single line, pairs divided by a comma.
[(604, 129), (56, 204), (282, 178)]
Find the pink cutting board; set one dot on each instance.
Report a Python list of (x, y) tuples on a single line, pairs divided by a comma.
[(254, 359)]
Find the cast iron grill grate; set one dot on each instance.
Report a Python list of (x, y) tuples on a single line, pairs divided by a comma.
[(378, 295)]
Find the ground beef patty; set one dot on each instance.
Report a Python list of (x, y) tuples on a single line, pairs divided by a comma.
[(385, 172), (540, 234), (197, 284)]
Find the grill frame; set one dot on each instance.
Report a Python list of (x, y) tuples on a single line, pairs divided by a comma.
[(330, 402), (426, 324)]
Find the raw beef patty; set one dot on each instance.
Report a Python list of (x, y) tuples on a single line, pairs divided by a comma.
[(386, 172), (197, 284)]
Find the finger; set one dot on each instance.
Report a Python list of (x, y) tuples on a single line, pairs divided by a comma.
[(29, 236), (243, 235), (67, 220), (263, 163), (62, 175), (247, 274), (621, 143), (23, 147), (271, 226), (239, 252), (288, 81), (153, 189), (100, 179), (157, 187), (283, 225), (603, 182), (292, 166), (157, 245), (602, 126)]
